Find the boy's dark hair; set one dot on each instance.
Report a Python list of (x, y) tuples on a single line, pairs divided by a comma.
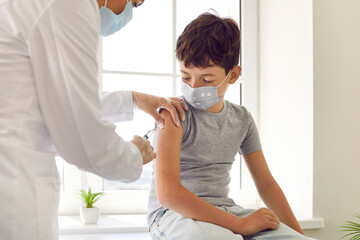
[(210, 40)]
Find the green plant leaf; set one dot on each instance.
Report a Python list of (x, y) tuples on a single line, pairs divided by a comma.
[(97, 197), (89, 198), (352, 228), (356, 237)]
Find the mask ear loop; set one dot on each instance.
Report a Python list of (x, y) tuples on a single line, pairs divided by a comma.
[(105, 3), (228, 83), (223, 82), (224, 79)]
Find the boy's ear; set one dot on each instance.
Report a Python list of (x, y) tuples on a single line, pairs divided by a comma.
[(235, 74)]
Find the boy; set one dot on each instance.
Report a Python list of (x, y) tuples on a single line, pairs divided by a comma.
[(190, 200)]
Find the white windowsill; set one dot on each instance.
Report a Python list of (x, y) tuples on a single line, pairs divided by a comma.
[(133, 223), (314, 223)]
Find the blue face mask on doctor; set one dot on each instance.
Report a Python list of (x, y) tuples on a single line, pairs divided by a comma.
[(110, 22)]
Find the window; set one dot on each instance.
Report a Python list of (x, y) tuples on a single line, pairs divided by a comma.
[(145, 62)]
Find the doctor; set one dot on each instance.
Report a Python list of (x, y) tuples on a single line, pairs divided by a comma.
[(49, 96)]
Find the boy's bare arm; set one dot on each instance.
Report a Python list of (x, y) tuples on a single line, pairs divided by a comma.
[(173, 195), (270, 192)]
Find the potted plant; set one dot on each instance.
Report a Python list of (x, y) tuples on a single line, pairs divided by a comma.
[(88, 213), (352, 228)]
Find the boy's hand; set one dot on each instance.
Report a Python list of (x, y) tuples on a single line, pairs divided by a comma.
[(150, 104), (146, 150), (262, 219)]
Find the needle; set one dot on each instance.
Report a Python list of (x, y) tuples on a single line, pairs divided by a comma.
[(149, 133)]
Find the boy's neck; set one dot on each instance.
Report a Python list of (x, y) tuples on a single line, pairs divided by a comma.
[(216, 108)]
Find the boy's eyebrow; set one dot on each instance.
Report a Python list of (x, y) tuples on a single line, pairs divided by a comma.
[(205, 74), (208, 74), (184, 71)]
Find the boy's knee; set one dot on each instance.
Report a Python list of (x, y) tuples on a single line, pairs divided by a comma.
[(283, 232)]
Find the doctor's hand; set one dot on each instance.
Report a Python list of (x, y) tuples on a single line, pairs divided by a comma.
[(150, 104), (147, 151)]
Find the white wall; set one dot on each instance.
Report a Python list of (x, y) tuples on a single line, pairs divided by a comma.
[(336, 114), (285, 63), (286, 97)]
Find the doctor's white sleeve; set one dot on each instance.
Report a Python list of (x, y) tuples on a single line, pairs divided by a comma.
[(117, 106), (63, 47)]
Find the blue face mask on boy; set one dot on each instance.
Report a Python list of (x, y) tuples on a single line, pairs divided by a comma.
[(202, 97), (110, 22)]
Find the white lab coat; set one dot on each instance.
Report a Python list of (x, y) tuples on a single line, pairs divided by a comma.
[(49, 95)]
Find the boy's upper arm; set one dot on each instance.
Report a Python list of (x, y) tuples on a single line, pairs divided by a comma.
[(168, 143), (251, 142), (259, 169)]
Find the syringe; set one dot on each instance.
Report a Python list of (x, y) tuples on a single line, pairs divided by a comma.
[(149, 133)]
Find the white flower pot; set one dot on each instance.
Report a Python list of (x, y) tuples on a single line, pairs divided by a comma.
[(89, 215)]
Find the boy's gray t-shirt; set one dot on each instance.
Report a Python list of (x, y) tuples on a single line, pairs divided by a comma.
[(209, 144)]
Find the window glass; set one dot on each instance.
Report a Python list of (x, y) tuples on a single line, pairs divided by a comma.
[(188, 10), (145, 43)]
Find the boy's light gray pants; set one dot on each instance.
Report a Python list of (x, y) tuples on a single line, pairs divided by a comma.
[(170, 225)]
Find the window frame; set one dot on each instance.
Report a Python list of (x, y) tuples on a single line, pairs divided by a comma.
[(135, 201)]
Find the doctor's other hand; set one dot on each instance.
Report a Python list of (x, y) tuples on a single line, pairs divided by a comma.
[(150, 104), (261, 219), (146, 150)]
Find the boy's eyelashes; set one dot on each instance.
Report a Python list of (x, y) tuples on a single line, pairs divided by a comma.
[(203, 80), (207, 81)]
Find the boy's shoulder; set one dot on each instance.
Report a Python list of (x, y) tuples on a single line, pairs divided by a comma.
[(237, 110), (235, 106)]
